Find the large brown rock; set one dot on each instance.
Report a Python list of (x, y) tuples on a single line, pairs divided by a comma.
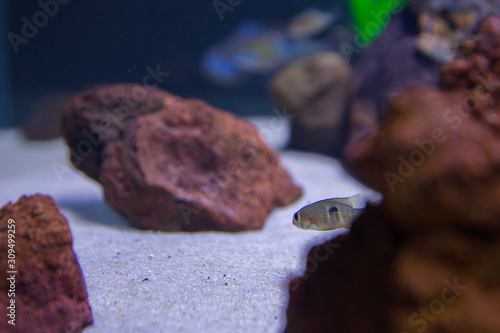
[(435, 142), (428, 258), (385, 280), (171, 164), (49, 293)]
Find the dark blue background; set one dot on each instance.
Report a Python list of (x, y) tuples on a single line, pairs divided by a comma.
[(91, 42)]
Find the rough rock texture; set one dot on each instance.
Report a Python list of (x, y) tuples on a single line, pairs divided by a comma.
[(442, 6), (171, 164), (415, 44), (317, 92), (428, 258), (441, 139), (443, 24), (478, 70), (50, 293)]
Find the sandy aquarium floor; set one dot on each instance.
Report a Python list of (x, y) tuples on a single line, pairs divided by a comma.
[(145, 281)]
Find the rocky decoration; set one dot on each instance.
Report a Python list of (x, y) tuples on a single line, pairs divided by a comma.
[(332, 101), (415, 44), (438, 131), (443, 24), (171, 164), (317, 92), (428, 258), (47, 292)]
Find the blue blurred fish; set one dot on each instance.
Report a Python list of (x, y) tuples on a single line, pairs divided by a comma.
[(257, 49)]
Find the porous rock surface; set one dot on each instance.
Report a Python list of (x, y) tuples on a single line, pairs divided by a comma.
[(428, 258), (50, 293), (171, 164)]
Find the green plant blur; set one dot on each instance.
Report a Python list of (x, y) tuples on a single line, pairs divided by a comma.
[(370, 17)]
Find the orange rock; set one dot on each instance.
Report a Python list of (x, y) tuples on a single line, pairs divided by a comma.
[(171, 164)]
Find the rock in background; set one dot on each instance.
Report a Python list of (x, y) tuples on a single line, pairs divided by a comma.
[(50, 293), (334, 104), (316, 91), (428, 258), (415, 44), (171, 164)]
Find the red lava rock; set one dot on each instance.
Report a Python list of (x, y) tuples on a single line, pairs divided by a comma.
[(434, 141), (171, 164), (429, 149), (477, 69), (428, 258), (50, 293)]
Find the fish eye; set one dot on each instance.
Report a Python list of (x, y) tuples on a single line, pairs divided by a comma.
[(296, 217), (333, 209)]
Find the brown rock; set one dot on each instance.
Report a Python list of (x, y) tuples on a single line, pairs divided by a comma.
[(382, 280), (432, 154), (346, 287), (317, 91), (433, 142), (50, 293), (428, 258), (478, 70), (171, 164)]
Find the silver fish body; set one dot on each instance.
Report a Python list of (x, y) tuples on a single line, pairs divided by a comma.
[(328, 214)]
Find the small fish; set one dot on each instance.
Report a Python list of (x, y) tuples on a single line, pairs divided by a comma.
[(329, 214)]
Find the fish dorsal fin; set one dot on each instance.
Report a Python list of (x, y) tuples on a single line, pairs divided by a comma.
[(356, 201)]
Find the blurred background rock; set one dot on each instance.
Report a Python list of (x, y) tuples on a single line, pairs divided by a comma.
[(93, 42), (226, 53)]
